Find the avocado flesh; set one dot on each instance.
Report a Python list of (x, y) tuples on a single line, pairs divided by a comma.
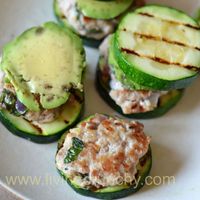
[(46, 61), (103, 9), (23, 96), (54, 101)]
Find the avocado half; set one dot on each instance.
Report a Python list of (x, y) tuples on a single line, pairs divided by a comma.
[(144, 167), (94, 9), (45, 66)]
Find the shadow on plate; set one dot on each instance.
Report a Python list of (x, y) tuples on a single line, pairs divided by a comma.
[(166, 165), (93, 102)]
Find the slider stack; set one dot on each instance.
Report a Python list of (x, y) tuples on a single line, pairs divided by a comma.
[(147, 63)]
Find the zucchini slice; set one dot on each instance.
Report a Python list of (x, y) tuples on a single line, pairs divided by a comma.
[(47, 132), (158, 47), (166, 102), (115, 192), (63, 22)]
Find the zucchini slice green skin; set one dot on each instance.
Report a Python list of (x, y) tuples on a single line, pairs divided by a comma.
[(144, 169), (166, 102), (197, 16), (35, 136), (90, 42), (130, 59)]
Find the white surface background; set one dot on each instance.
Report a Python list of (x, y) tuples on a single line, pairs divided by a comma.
[(175, 137)]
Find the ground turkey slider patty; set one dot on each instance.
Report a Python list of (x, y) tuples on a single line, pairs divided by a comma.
[(102, 150)]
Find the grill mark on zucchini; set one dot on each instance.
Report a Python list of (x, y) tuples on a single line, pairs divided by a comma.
[(66, 121), (35, 126), (159, 60), (169, 21), (78, 98), (155, 38), (146, 14)]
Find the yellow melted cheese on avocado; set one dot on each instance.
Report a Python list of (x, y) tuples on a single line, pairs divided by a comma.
[(45, 61)]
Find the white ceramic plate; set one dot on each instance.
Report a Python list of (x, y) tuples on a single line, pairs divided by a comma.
[(175, 137)]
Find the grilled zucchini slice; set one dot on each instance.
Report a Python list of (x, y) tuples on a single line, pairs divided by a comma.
[(158, 47)]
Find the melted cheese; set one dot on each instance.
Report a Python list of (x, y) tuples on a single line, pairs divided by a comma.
[(47, 61)]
